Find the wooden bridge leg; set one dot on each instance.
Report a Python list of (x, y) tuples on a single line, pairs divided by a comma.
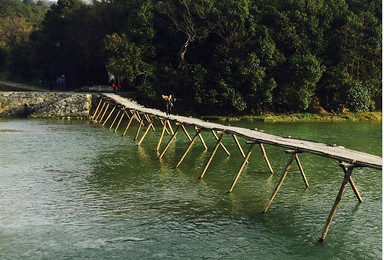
[(164, 123), (113, 109), (188, 148), (145, 134), (105, 101), (129, 123), (139, 128), (186, 132), (245, 161), (353, 185), (238, 145), (97, 108), (105, 111), (114, 120), (280, 182), (169, 142), (170, 127), (266, 158), (211, 156), (346, 179), (201, 138), (162, 135), (301, 170), (121, 118), (221, 144), (148, 118)]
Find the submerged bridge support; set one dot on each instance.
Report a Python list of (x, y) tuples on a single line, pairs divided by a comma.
[(111, 104)]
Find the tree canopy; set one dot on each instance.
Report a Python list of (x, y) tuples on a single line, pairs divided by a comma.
[(233, 56)]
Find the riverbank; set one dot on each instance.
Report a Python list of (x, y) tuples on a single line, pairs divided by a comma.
[(302, 117)]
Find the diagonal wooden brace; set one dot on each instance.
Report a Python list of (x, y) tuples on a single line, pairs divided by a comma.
[(347, 177), (170, 141), (221, 144), (245, 161), (212, 155), (97, 108), (110, 113), (189, 147)]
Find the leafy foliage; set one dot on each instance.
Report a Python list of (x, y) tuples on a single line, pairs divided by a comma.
[(234, 56)]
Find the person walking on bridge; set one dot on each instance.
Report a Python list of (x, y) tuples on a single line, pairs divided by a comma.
[(168, 102)]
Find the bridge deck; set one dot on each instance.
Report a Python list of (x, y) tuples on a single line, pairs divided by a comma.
[(327, 150)]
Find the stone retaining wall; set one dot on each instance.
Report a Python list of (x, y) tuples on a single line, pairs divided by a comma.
[(46, 104)]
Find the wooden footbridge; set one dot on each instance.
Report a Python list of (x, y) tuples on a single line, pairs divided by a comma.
[(112, 105)]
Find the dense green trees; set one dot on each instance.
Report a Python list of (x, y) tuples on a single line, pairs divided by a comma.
[(233, 56)]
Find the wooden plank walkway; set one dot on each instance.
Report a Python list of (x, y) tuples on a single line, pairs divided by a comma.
[(347, 159)]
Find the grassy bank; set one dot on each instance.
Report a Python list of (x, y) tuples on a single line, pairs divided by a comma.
[(302, 117)]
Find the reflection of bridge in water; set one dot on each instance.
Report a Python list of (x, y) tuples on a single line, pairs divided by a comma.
[(111, 104)]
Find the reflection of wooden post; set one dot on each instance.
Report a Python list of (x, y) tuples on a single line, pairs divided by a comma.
[(280, 182), (170, 141), (212, 155), (221, 144), (346, 179), (246, 158), (138, 128), (162, 135), (114, 120), (188, 148), (113, 109), (97, 108), (266, 158)]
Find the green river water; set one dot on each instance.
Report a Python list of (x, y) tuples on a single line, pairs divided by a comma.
[(76, 190)]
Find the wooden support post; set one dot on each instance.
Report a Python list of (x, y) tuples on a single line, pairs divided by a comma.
[(162, 135), (221, 144), (353, 185), (105, 101), (105, 111), (113, 109), (186, 132), (139, 127), (189, 147), (145, 134), (97, 108), (212, 155), (148, 118), (266, 159), (346, 179), (164, 123), (238, 145), (285, 172), (121, 118), (129, 123), (201, 138), (246, 158), (301, 170), (169, 142), (170, 127), (114, 120)]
